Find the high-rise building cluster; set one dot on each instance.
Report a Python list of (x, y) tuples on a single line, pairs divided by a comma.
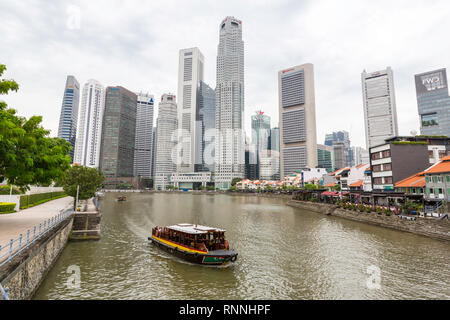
[(199, 139)]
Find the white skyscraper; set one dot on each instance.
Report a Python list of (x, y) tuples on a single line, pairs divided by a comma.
[(144, 136), (190, 74), (380, 113), (230, 138), (165, 143), (87, 146)]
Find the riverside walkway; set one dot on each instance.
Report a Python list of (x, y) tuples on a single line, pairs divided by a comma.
[(11, 225)]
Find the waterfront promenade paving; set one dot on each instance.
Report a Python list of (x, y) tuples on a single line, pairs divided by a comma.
[(13, 224)]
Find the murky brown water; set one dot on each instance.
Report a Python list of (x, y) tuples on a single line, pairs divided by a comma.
[(284, 253)]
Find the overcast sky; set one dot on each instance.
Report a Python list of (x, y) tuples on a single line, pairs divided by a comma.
[(135, 44)]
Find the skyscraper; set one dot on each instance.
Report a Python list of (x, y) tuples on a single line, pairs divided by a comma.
[(167, 122), (341, 136), (69, 113), (230, 138), (206, 117), (297, 107), (144, 136), (260, 136), (118, 134), (325, 157), (361, 156), (89, 133), (433, 102), (380, 113), (274, 139), (340, 155), (190, 73)]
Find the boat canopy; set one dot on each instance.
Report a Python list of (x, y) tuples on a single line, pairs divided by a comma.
[(194, 229)]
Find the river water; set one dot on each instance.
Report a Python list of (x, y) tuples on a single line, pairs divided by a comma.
[(284, 253)]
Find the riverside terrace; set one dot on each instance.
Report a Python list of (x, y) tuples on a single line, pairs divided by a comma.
[(375, 201)]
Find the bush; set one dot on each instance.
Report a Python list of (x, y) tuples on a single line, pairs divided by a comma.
[(387, 211), (7, 189), (360, 207), (368, 209), (6, 207), (31, 200)]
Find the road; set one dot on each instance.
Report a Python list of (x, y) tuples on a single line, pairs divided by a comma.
[(12, 225)]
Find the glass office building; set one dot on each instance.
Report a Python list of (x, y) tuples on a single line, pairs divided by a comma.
[(119, 133), (68, 119), (433, 102), (206, 117)]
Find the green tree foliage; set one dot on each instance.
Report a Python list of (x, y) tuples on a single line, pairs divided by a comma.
[(235, 180), (89, 180), (27, 155)]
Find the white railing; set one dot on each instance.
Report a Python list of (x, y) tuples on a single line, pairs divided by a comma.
[(16, 246)]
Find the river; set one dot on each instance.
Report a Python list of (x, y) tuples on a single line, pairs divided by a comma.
[(284, 253)]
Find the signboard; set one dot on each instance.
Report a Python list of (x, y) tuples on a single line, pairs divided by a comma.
[(430, 81)]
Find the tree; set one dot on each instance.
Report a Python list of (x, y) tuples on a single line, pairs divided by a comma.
[(235, 180), (27, 155), (89, 180)]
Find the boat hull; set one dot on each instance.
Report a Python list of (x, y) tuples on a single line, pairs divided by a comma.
[(219, 257)]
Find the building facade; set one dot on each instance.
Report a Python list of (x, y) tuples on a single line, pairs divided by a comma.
[(144, 136), (68, 118), (190, 74), (297, 109), (380, 113), (360, 156), (165, 158), (230, 137), (392, 162), (341, 136), (119, 133), (325, 157), (89, 133), (433, 102), (206, 117), (340, 155)]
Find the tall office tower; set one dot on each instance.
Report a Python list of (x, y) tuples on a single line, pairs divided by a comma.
[(260, 135), (340, 155), (230, 138), (190, 73), (89, 133), (433, 102), (165, 159), (380, 113), (274, 139), (297, 107), (325, 157), (361, 156), (261, 130), (144, 136), (153, 150), (118, 134), (250, 169), (341, 136), (69, 113), (206, 117)]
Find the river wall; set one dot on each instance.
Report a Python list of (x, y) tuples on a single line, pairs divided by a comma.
[(25, 272), (429, 227), (86, 223)]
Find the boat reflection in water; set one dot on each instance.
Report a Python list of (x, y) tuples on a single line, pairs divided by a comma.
[(194, 243)]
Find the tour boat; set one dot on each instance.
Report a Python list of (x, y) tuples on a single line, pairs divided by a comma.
[(122, 198), (194, 243)]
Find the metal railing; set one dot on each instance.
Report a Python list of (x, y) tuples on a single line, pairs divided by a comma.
[(16, 246)]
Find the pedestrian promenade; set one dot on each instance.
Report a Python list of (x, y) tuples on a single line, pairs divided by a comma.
[(13, 224)]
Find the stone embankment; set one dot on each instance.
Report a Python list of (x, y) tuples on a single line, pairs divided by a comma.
[(23, 275), (86, 222), (430, 227)]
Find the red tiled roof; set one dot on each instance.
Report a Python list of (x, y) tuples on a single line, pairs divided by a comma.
[(416, 180), (361, 165), (358, 183), (442, 166), (330, 185)]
